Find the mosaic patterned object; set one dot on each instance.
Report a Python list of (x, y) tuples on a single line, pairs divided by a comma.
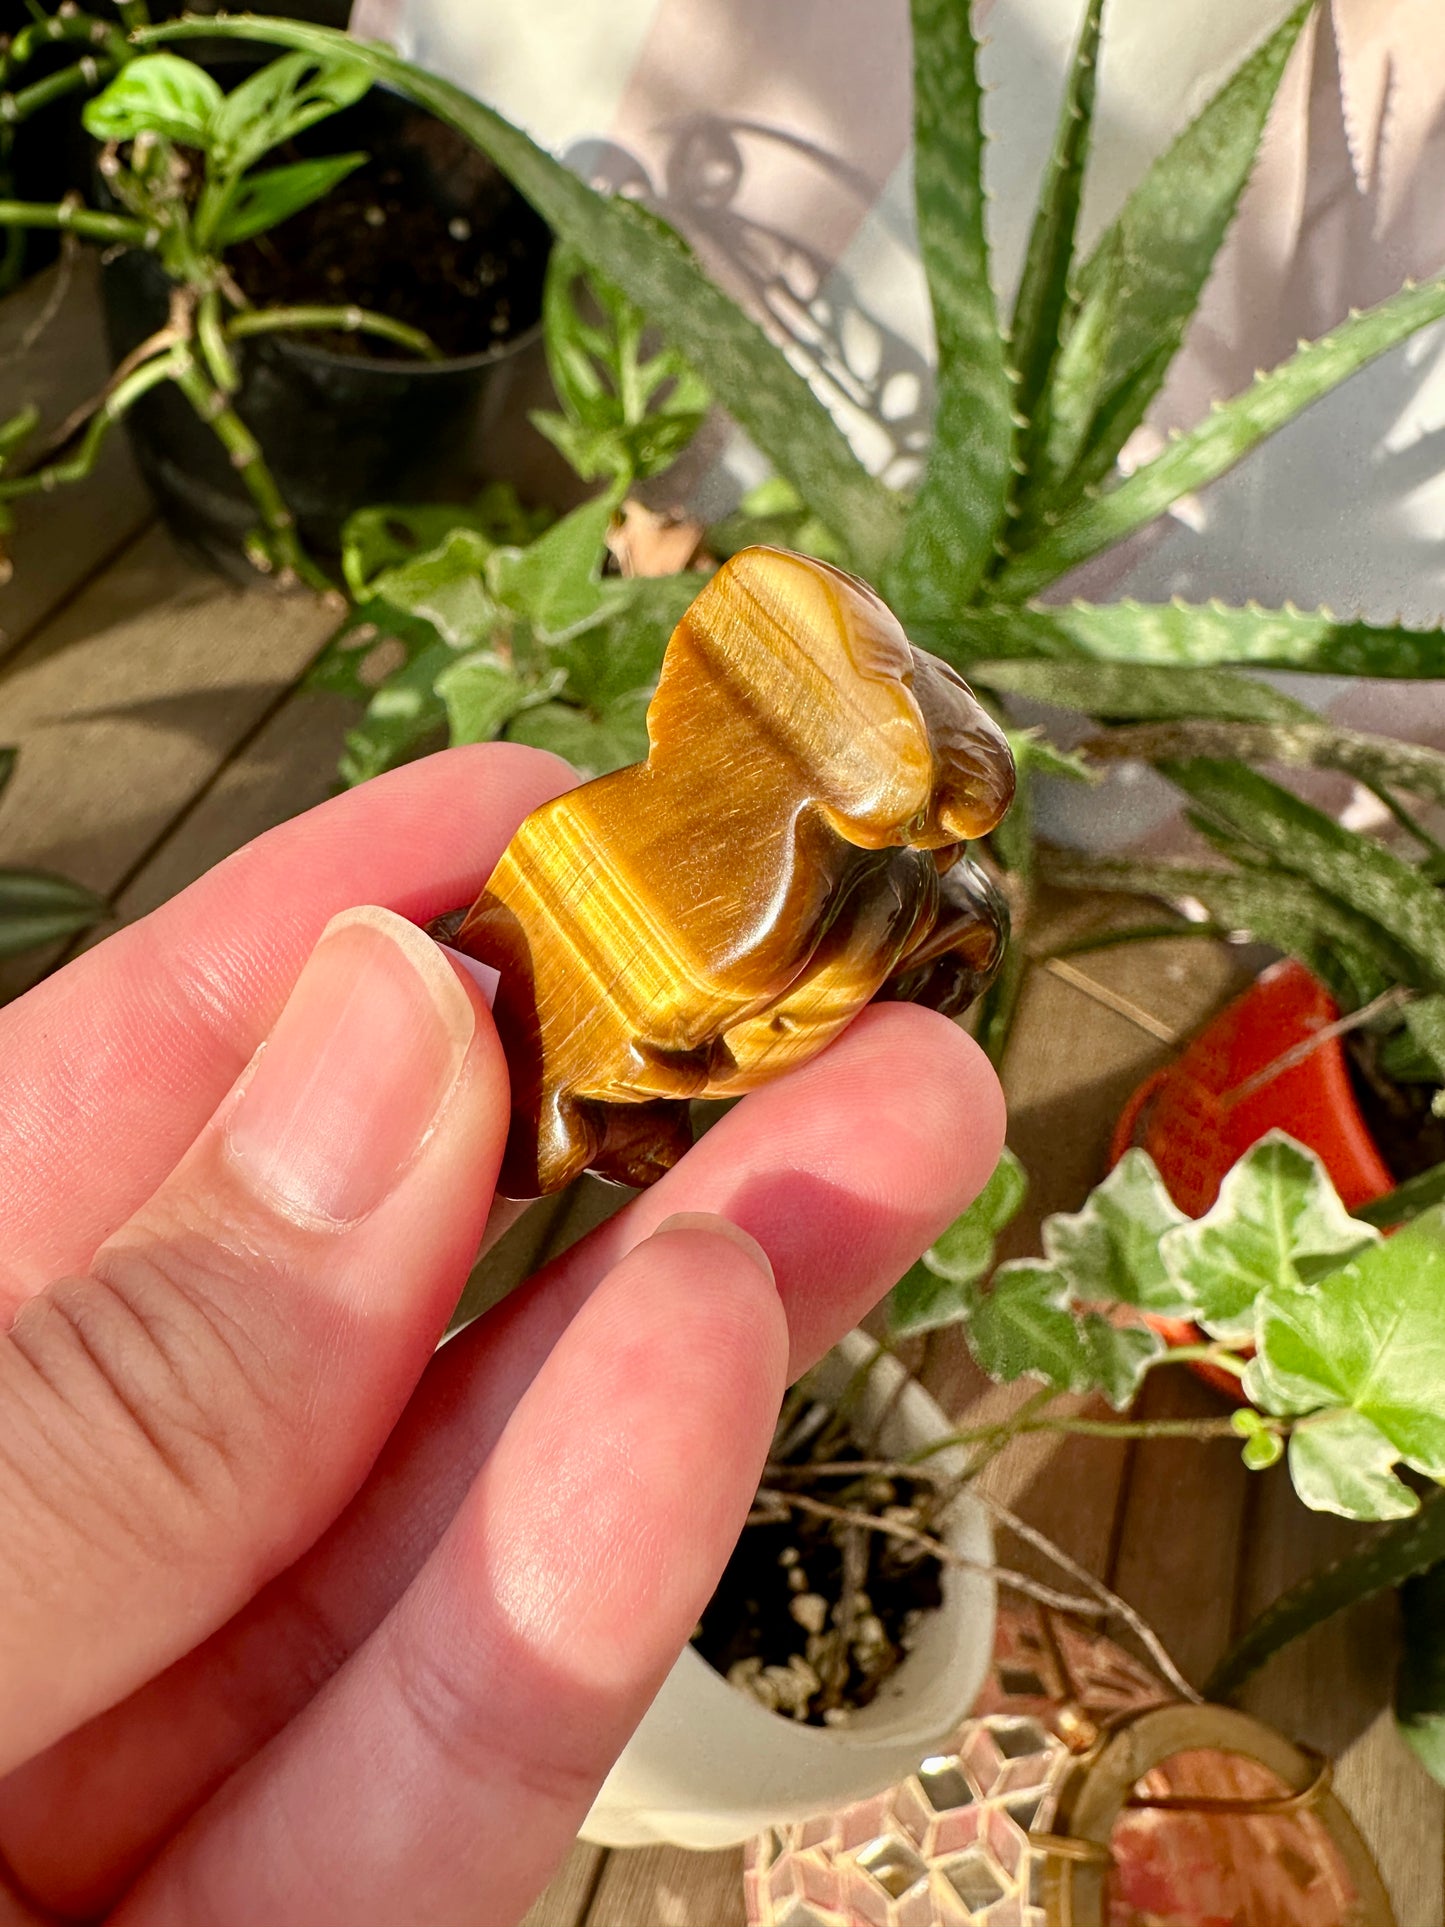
[(1209, 1838)]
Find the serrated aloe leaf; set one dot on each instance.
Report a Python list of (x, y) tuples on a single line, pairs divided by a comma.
[(1301, 745), (1228, 434), (37, 907), (1109, 1252), (1369, 1339), (1211, 634), (1278, 1220), (1386, 1560), (749, 375), (1043, 298), (1354, 869), (1142, 284), (955, 517), (1420, 1682), (1123, 692)]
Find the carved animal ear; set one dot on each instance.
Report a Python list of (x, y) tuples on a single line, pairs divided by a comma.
[(803, 665), (973, 767)]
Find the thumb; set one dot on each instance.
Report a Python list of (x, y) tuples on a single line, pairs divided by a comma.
[(183, 1421)]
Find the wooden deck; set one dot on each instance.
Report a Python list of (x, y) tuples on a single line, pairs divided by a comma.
[(160, 728)]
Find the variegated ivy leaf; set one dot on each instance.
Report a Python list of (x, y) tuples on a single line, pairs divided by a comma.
[(1109, 1252), (939, 1288), (1026, 1324), (1278, 1220), (1368, 1340)]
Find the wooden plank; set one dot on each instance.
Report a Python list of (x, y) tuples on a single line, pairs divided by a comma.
[(665, 1887), (127, 704), (565, 1902), (1183, 1511), (1332, 1689), (53, 353)]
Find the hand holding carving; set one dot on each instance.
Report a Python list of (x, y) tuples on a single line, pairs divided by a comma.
[(699, 923)]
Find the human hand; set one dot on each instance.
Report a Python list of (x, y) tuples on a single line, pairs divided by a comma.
[(300, 1623)]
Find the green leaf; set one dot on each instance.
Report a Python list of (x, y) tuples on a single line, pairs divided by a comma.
[(937, 1291), (621, 652), (379, 538), (1126, 692), (373, 643), (1211, 634), (8, 758), (1044, 758), (593, 745), (1425, 1022), (400, 718), (37, 908), (956, 515), (628, 415), (1278, 1220), (482, 694), (281, 101), (446, 588), (775, 515), (1407, 1201), (264, 200), (1110, 1251), (1340, 1462), (555, 582), (1385, 1560), (1139, 289), (155, 94), (1354, 869), (1224, 438), (1368, 1340), (1024, 1324), (1420, 1683), (1118, 1357), (1043, 302), (749, 376)]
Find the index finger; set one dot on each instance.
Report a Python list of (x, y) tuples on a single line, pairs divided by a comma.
[(111, 1067)]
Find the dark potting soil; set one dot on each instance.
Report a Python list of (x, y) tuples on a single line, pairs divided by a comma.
[(1409, 1138), (463, 259), (772, 1626)]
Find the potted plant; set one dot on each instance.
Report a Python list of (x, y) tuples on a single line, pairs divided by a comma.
[(36, 906), (295, 328)]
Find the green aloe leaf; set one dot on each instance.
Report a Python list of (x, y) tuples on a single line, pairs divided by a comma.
[(1124, 692), (1278, 1220), (1227, 435), (1043, 301), (748, 374), (956, 515), (37, 907), (1356, 870), (1420, 1683), (1368, 1341), (1109, 1252), (1206, 635), (1139, 289), (939, 1290), (1386, 1560), (1301, 745)]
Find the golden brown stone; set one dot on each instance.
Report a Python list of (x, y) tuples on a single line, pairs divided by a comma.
[(702, 922)]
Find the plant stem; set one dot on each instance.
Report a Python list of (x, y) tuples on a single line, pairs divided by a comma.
[(55, 28), (120, 398), (985, 1434), (1155, 1428), (77, 220), (347, 320), (244, 450), (1210, 1354), (215, 350), (86, 73), (134, 14)]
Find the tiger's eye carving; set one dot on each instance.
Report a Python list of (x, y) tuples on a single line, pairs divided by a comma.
[(702, 922)]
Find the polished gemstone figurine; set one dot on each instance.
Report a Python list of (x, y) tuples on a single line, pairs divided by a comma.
[(792, 847)]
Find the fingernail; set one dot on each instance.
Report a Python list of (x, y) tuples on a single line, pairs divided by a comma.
[(720, 1228), (482, 975), (359, 1067)]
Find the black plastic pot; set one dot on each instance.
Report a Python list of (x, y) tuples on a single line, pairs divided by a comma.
[(339, 430)]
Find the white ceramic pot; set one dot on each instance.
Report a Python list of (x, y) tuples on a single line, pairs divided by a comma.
[(709, 1767)]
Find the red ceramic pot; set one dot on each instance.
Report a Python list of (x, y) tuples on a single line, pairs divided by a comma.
[(1191, 1121)]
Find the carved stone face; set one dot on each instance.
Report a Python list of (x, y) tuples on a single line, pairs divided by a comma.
[(698, 924)]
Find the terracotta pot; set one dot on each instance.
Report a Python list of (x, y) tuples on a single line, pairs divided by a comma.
[(1195, 1117)]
